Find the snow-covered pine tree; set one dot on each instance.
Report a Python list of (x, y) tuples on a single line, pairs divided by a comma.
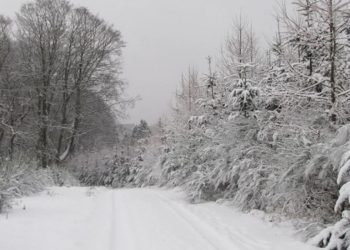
[(243, 91), (302, 34), (318, 40), (337, 237), (141, 131)]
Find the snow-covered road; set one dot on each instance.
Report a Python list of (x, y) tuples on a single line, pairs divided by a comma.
[(138, 219)]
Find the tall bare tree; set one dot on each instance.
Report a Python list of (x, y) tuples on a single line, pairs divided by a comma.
[(66, 54), (42, 27), (97, 46)]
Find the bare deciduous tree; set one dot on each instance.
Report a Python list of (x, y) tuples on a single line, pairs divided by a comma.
[(64, 54)]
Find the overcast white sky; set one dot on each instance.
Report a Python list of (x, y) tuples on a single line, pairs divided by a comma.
[(164, 37)]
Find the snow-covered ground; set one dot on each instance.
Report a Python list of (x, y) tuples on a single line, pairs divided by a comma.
[(137, 219)]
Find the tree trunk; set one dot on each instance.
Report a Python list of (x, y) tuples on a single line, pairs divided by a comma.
[(65, 99), (61, 133), (332, 51), (43, 128), (11, 146), (12, 139), (77, 118)]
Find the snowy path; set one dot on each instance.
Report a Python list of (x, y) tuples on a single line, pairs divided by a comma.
[(139, 219)]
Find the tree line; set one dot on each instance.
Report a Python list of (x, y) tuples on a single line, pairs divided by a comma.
[(58, 63), (308, 57)]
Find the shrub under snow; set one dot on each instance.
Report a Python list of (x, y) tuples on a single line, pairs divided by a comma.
[(337, 237), (18, 178)]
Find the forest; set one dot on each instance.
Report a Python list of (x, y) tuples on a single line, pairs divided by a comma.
[(264, 128), (61, 91)]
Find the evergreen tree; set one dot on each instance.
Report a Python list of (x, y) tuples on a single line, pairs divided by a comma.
[(244, 93), (141, 131)]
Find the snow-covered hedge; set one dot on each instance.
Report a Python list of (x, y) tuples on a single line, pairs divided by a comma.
[(19, 178)]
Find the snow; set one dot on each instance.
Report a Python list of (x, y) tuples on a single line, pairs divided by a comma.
[(332, 237), (343, 172), (345, 158), (64, 155), (133, 219), (344, 194)]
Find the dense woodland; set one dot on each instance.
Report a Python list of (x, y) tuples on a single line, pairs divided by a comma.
[(60, 92), (267, 129), (59, 68)]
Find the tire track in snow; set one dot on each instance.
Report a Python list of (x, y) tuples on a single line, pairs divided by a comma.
[(236, 237), (169, 226), (204, 229), (124, 237), (113, 222), (133, 219)]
